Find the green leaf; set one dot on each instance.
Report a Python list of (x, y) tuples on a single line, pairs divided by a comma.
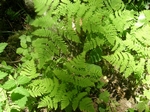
[(64, 102), (21, 91), (23, 44), (23, 80), (76, 100), (2, 46), (20, 51), (19, 96), (141, 106), (147, 93), (21, 102), (104, 96), (9, 84), (101, 109), (3, 74), (86, 104), (3, 95)]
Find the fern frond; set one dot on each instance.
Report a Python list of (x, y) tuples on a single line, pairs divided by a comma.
[(139, 69), (65, 101), (61, 97), (45, 49), (74, 80), (109, 31), (71, 35), (55, 88), (114, 4), (123, 61), (147, 16), (40, 87), (63, 76), (94, 70), (93, 43), (139, 42), (119, 45), (44, 22), (142, 35), (42, 32), (125, 19), (52, 8), (43, 6), (83, 82), (95, 55), (59, 43), (77, 100), (29, 69), (86, 104), (46, 101)]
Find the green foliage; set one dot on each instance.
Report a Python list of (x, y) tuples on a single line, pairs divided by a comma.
[(55, 54), (2, 46), (59, 55), (131, 50)]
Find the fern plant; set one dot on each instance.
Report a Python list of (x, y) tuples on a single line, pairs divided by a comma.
[(132, 51), (60, 54), (130, 54), (55, 55)]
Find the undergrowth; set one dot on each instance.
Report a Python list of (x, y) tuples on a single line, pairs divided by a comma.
[(61, 52)]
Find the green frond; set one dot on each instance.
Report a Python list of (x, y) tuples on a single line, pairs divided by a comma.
[(60, 44), (139, 41), (72, 8), (61, 98), (114, 4), (44, 5), (40, 87), (61, 95), (29, 69), (45, 22), (86, 104), (70, 34), (80, 81), (93, 43), (139, 69), (94, 70), (125, 19), (142, 35), (42, 32), (122, 61), (45, 49), (63, 76), (147, 16), (55, 87), (119, 45), (95, 55), (83, 81), (64, 102), (109, 31), (78, 66), (77, 100), (46, 101)]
